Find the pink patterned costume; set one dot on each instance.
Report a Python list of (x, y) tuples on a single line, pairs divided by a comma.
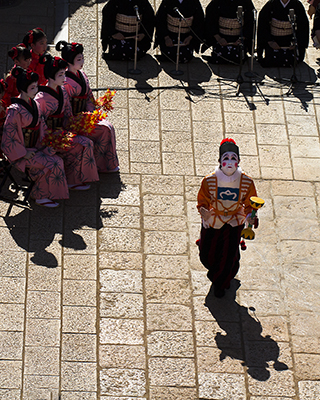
[(23, 130), (80, 165), (103, 136)]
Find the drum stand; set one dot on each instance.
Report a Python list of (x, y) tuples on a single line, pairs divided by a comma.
[(294, 80), (250, 74), (177, 71), (136, 71)]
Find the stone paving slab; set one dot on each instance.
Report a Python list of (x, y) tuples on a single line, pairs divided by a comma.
[(104, 297)]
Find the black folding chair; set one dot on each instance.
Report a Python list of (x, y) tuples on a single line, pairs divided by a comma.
[(16, 188)]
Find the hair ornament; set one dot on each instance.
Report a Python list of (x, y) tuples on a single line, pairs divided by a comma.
[(227, 145), (56, 62), (30, 40), (31, 32), (227, 140), (15, 52), (16, 72), (29, 73)]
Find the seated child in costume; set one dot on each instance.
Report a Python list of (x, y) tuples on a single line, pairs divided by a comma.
[(229, 37), (21, 143), (278, 44), (21, 57), (224, 205), (37, 40), (170, 27), (118, 29), (80, 165), (81, 98)]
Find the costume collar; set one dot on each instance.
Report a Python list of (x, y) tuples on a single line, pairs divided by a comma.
[(284, 5), (224, 178), (34, 55)]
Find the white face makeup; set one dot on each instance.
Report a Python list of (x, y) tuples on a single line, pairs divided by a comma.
[(229, 163), (32, 90), (60, 77), (78, 61)]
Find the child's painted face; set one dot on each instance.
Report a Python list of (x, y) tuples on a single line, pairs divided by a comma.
[(32, 90), (229, 163), (22, 62), (40, 46), (78, 61), (60, 77)]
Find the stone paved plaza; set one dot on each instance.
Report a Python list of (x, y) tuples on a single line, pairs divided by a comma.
[(103, 298)]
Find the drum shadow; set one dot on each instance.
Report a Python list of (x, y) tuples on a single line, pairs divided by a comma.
[(193, 73), (43, 232), (295, 85), (148, 67), (242, 339)]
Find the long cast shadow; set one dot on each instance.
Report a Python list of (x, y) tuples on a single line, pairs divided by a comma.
[(241, 328), (42, 232)]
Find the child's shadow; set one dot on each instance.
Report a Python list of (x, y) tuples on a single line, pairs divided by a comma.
[(241, 328)]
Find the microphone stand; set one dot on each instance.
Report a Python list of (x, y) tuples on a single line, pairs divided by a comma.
[(249, 74), (177, 71), (293, 79), (136, 71), (241, 48)]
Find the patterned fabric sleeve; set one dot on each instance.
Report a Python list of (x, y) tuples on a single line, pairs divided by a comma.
[(12, 143), (246, 201), (204, 199)]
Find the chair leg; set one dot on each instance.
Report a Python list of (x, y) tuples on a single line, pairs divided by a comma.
[(7, 174), (28, 192)]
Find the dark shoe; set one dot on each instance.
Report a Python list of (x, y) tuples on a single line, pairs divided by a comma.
[(218, 292)]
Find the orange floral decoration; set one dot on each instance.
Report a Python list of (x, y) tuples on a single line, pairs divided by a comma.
[(85, 122), (106, 101), (59, 139)]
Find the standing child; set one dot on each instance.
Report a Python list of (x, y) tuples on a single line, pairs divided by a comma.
[(21, 57), (81, 98), (55, 107), (224, 205), (37, 40), (21, 143)]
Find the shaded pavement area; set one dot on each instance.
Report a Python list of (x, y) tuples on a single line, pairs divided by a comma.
[(105, 297)]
